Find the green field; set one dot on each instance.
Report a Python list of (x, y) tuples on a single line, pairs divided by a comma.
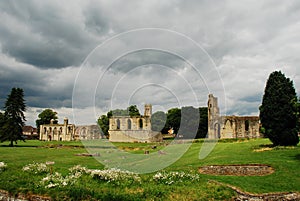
[(285, 161)]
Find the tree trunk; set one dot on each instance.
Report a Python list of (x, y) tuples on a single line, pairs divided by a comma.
[(11, 143)]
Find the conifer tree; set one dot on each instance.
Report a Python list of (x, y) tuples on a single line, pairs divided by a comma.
[(279, 110), (14, 118)]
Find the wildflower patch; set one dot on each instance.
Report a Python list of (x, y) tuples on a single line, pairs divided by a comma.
[(57, 180), (36, 168), (170, 178), (116, 176)]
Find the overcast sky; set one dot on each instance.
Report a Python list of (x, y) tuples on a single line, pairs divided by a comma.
[(83, 58)]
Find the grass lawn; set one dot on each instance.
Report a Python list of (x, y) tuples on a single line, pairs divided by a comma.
[(285, 161)]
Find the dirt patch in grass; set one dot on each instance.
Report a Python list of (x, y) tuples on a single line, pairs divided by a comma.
[(61, 146), (246, 196), (237, 170), (87, 154), (270, 147), (5, 195)]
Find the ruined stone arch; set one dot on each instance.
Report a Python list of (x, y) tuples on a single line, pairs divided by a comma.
[(83, 133), (228, 123), (217, 130), (129, 124), (118, 124), (141, 123), (247, 125)]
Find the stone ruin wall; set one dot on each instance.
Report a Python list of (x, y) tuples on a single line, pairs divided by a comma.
[(230, 126), (69, 132), (133, 129)]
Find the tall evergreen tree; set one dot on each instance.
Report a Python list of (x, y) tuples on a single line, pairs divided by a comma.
[(14, 117), (278, 112)]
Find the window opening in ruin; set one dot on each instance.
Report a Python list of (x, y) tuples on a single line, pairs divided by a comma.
[(141, 123), (247, 125), (129, 124), (118, 123)]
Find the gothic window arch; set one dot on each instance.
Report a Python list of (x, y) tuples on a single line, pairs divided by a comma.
[(129, 124), (118, 124), (247, 125), (141, 123)]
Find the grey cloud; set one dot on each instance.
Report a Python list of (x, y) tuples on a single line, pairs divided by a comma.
[(48, 34), (47, 42)]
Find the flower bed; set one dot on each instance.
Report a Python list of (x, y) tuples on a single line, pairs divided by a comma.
[(174, 177)]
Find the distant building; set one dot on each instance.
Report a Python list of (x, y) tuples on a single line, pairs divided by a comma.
[(58, 132), (69, 132), (133, 129), (30, 132), (88, 132), (230, 126)]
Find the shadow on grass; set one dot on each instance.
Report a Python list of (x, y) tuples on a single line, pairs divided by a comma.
[(297, 157), (23, 145), (266, 146)]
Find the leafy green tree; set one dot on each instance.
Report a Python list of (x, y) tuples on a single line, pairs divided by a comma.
[(13, 119), (173, 119), (158, 121), (45, 117), (189, 124), (119, 112), (133, 111), (203, 124), (279, 111), (103, 122)]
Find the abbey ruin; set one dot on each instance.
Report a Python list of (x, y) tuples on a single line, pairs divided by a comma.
[(133, 129), (138, 128), (68, 132), (220, 127)]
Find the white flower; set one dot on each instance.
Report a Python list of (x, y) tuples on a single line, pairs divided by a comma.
[(173, 177), (36, 168), (2, 166)]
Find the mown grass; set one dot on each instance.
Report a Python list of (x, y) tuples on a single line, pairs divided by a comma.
[(285, 161)]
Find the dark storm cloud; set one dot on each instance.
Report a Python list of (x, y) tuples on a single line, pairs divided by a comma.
[(43, 44), (42, 88), (47, 34)]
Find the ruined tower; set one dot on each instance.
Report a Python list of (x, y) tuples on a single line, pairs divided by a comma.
[(148, 110), (213, 117)]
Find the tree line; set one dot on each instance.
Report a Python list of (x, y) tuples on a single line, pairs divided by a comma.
[(185, 121), (279, 115)]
